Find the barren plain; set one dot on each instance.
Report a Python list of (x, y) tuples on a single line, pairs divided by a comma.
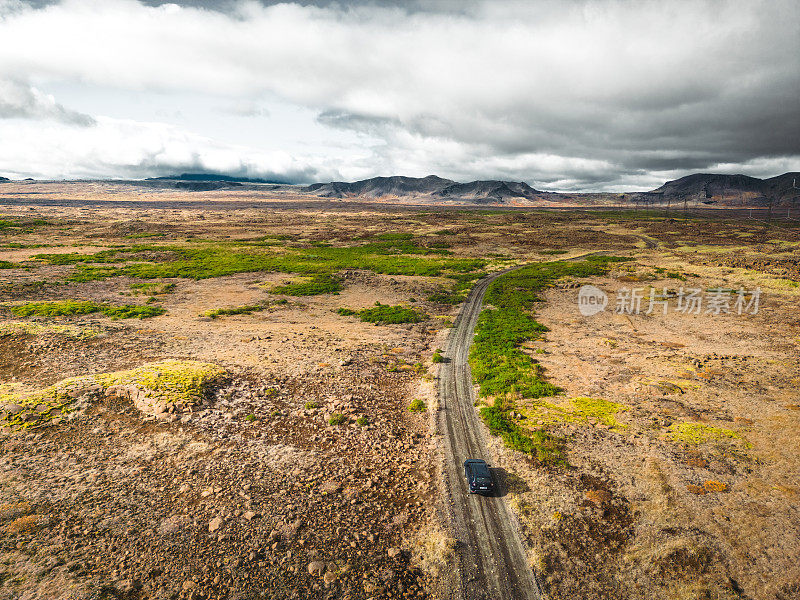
[(229, 395)]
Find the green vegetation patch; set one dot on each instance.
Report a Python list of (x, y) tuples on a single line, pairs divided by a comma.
[(607, 258), (458, 293), (498, 364), (29, 328), (545, 447), (310, 286), (170, 382), (22, 224), (700, 433), (64, 308), (503, 370), (402, 257), (153, 288), (237, 310), (242, 310), (385, 314), (337, 419), (581, 410), (417, 405), (4, 264)]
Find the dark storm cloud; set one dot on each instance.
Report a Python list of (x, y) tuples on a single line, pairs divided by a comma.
[(573, 94)]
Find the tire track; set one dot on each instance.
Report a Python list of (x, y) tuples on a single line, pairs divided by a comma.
[(492, 562)]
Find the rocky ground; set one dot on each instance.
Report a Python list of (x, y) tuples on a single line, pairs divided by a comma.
[(254, 493)]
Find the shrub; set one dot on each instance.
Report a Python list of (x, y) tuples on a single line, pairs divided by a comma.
[(132, 312), (153, 288), (386, 314), (4, 264), (362, 421), (312, 404), (417, 405), (437, 356), (236, 310), (336, 419)]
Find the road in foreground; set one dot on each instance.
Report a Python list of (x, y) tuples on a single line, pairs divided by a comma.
[(491, 562)]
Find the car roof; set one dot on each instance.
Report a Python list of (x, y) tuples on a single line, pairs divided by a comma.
[(480, 469)]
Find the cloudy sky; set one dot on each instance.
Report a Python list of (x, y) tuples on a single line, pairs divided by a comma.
[(602, 95)]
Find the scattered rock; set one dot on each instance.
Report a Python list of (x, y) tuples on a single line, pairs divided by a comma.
[(316, 567), (214, 524)]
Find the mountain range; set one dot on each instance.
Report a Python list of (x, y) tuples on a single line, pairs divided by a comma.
[(706, 188), (433, 186), (728, 188)]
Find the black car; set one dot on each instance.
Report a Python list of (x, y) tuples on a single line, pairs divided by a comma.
[(478, 476)]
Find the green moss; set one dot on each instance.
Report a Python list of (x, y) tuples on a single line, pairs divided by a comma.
[(72, 331), (604, 411), (337, 419), (582, 409), (362, 421), (500, 367), (63, 308), (175, 382), (700, 433)]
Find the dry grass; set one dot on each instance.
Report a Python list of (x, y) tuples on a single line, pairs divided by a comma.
[(14, 510), (431, 548), (24, 524)]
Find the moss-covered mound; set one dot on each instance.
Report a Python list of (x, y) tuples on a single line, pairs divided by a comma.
[(154, 388)]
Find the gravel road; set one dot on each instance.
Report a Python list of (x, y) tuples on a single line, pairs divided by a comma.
[(492, 562)]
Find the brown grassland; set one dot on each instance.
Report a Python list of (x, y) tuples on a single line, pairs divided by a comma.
[(241, 440)]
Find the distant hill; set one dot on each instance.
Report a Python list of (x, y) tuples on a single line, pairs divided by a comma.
[(728, 189), (205, 186), (433, 187), (381, 186), (213, 177), (492, 190), (711, 184), (2, 179)]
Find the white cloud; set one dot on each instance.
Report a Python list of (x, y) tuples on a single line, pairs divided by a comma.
[(580, 94), (20, 101), (124, 148)]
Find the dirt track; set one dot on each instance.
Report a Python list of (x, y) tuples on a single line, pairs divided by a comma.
[(492, 562)]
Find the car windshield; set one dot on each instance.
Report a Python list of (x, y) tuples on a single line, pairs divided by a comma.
[(483, 480), (481, 471)]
